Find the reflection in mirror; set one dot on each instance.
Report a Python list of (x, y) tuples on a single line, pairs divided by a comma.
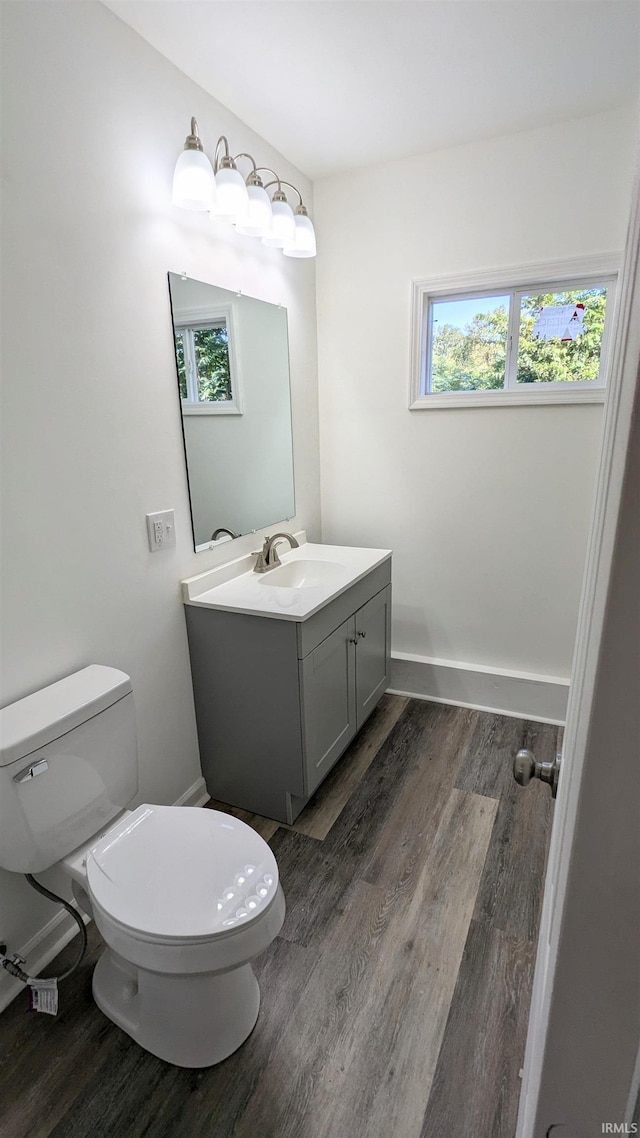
[(232, 362)]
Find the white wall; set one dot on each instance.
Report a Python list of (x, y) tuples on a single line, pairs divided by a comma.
[(93, 120), (486, 509)]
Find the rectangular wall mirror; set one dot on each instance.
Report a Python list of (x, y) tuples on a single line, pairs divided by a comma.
[(232, 363)]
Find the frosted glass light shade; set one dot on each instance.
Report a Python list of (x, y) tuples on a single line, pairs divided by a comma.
[(256, 222), (283, 227), (193, 181), (304, 242), (231, 195)]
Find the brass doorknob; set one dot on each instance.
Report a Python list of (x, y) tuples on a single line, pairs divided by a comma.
[(526, 767)]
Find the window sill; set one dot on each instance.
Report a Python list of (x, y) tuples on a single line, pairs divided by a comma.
[(462, 399), (210, 409)]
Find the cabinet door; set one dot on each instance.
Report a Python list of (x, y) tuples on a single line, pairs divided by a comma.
[(373, 651), (327, 683)]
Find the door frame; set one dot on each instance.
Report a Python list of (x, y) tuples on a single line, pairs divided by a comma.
[(591, 620)]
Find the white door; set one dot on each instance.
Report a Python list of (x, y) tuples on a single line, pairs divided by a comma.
[(581, 1072)]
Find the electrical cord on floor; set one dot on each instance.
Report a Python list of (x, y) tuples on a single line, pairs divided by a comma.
[(14, 969)]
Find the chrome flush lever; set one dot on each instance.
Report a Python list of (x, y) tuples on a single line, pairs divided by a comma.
[(526, 767), (30, 772)]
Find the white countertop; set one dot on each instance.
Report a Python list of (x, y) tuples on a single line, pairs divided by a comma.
[(234, 587)]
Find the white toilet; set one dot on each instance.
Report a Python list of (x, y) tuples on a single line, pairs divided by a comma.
[(183, 897)]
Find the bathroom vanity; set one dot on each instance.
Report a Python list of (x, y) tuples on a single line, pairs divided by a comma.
[(286, 667)]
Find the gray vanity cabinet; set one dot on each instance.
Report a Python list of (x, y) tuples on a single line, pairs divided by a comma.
[(328, 703), (373, 643), (341, 682), (278, 701)]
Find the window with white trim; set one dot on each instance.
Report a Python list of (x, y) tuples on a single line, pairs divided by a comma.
[(207, 377), (532, 341)]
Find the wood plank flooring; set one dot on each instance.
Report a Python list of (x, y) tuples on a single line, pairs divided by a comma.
[(395, 1000)]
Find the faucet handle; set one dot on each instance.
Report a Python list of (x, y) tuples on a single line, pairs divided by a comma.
[(261, 556)]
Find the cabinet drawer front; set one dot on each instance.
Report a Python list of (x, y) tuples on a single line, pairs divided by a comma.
[(313, 631), (373, 653), (327, 682)]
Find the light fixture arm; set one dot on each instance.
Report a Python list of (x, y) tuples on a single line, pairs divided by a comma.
[(253, 178), (249, 156), (193, 140), (225, 162), (282, 182), (269, 171), (280, 194)]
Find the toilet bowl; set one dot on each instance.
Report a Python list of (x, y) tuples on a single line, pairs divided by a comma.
[(184, 899)]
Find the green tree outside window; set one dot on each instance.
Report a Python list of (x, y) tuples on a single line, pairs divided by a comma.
[(473, 358), (211, 354)]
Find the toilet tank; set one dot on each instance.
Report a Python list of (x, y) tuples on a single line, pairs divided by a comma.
[(68, 765)]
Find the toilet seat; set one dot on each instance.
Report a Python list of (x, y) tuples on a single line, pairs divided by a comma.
[(180, 876)]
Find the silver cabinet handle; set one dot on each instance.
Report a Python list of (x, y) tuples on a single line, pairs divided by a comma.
[(526, 767), (362, 634), (31, 772)]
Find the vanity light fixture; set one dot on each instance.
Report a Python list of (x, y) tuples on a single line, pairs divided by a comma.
[(231, 191), (292, 232), (223, 191), (303, 243), (193, 178), (258, 215), (283, 226)]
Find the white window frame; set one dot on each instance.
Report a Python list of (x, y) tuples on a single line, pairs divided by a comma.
[(558, 276), (209, 317)]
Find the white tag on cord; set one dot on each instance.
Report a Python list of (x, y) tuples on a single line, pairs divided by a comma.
[(43, 996)]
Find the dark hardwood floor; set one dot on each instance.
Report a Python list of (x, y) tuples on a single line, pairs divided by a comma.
[(395, 1000)]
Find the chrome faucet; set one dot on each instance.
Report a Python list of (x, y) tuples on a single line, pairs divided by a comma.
[(268, 555)]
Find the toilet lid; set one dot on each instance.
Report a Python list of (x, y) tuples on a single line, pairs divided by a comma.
[(178, 872)]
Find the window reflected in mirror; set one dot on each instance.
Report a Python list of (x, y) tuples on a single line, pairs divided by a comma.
[(206, 359)]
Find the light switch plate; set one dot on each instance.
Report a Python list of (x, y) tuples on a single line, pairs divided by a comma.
[(161, 530)]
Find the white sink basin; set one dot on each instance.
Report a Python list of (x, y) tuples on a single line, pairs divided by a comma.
[(303, 574), (310, 576)]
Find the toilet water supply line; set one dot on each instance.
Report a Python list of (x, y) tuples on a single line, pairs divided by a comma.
[(43, 994)]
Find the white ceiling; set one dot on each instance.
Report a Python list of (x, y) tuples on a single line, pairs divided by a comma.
[(336, 84)]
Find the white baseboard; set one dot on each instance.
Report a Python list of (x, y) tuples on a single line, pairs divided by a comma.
[(48, 941), (196, 795), (498, 690)]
